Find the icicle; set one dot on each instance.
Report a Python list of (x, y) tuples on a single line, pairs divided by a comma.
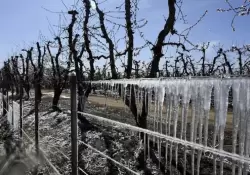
[(138, 100), (224, 98), (194, 90), (247, 112), (157, 141), (106, 97), (216, 106), (221, 105), (149, 112), (243, 117), (168, 100), (161, 96), (142, 98), (146, 136), (171, 112), (166, 123), (185, 94), (155, 111), (169, 122), (207, 104), (125, 97), (182, 117), (136, 94), (236, 102), (176, 113), (201, 119), (112, 90), (176, 107), (185, 103), (158, 112), (197, 111), (116, 92)]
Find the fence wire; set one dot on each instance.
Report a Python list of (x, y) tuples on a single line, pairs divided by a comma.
[(205, 115)]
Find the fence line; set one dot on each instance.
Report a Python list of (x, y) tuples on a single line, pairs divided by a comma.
[(12, 116), (182, 94), (171, 139), (195, 89), (66, 157)]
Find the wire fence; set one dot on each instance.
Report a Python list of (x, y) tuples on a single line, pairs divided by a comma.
[(185, 124), (189, 120), (13, 111)]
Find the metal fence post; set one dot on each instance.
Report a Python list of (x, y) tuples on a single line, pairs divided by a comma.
[(12, 112), (4, 102), (21, 110), (7, 100), (36, 120), (74, 134)]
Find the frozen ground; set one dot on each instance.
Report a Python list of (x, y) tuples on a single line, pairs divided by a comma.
[(54, 128), (122, 145)]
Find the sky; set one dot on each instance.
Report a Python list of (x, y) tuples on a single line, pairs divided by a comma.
[(23, 21)]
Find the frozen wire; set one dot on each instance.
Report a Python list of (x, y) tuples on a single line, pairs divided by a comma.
[(43, 153), (107, 157), (171, 139), (137, 80), (66, 157)]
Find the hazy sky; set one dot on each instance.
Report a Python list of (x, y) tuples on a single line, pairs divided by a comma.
[(22, 21)]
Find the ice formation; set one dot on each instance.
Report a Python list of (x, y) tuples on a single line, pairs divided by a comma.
[(195, 101), (12, 112)]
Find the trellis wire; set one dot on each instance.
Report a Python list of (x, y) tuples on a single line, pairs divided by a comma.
[(219, 96), (107, 157), (43, 153), (171, 139)]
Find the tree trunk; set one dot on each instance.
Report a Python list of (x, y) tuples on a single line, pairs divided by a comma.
[(27, 90), (82, 97), (56, 98), (5, 103), (17, 89), (39, 92)]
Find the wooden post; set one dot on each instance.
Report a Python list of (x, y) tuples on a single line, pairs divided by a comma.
[(74, 134), (21, 111), (36, 119)]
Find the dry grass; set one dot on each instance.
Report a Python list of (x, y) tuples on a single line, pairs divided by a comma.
[(118, 103)]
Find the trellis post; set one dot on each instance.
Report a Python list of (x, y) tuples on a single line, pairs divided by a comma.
[(74, 134), (21, 111), (36, 119), (12, 112)]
